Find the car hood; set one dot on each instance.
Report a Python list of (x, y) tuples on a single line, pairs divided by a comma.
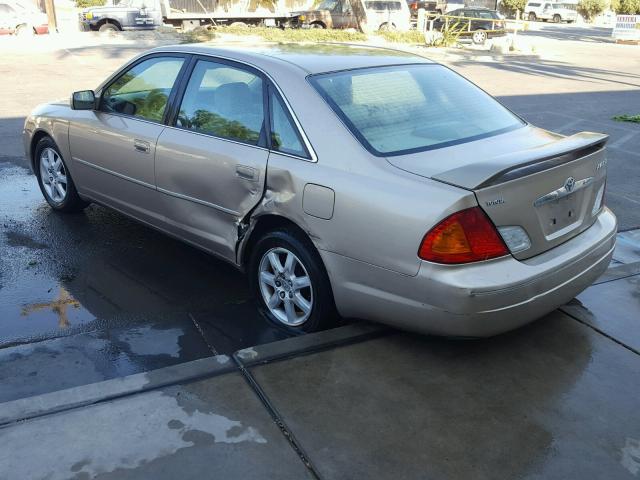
[(107, 9)]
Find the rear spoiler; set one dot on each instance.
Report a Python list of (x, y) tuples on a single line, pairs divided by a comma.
[(526, 162)]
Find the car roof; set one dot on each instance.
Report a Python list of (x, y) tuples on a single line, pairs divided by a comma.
[(302, 58)]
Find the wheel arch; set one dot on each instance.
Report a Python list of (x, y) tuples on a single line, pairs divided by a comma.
[(38, 135), (109, 20), (260, 225)]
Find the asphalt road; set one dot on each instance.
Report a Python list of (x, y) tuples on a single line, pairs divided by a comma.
[(123, 298)]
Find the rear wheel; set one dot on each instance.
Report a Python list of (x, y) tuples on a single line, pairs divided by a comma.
[(557, 18), (290, 283), (317, 25), (532, 17), (108, 27), (479, 37), (55, 179), (386, 27)]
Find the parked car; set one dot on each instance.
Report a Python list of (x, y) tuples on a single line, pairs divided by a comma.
[(482, 24), (22, 18), (379, 14), (126, 15), (554, 11), (364, 181)]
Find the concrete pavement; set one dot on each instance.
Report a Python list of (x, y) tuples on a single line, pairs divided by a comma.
[(556, 399)]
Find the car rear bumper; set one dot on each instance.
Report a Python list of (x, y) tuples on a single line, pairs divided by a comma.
[(474, 300)]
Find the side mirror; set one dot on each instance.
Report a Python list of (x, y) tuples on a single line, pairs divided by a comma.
[(83, 100)]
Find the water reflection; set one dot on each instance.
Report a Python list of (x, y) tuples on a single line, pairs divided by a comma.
[(58, 306)]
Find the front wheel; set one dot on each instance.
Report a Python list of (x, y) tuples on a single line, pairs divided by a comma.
[(290, 283), (55, 179), (557, 18), (479, 37), (532, 17)]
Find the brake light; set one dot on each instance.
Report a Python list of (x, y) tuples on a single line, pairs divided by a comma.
[(463, 237)]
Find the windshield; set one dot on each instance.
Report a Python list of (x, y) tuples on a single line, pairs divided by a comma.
[(328, 5), (135, 3), (409, 108)]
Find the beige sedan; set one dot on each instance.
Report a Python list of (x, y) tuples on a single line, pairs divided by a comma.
[(346, 181)]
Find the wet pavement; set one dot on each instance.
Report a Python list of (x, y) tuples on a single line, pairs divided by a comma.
[(94, 296)]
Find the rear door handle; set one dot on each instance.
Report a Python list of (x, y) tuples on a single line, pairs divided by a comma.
[(246, 172), (141, 146)]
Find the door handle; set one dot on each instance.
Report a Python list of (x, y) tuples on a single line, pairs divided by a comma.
[(141, 146), (246, 172)]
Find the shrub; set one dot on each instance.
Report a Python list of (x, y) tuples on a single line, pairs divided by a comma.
[(450, 35), (511, 6), (626, 7), (296, 35), (90, 3), (590, 8), (412, 36)]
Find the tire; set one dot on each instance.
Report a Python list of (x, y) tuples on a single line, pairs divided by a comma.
[(532, 17), (239, 25), (479, 37), (317, 25), (387, 27), (108, 27), (557, 18), (49, 174), (266, 284)]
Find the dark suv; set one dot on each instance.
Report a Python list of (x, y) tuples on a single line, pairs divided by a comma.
[(477, 23)]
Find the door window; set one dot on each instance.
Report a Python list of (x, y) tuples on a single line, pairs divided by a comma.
[(143, 90), (284, 136), (223, 101)]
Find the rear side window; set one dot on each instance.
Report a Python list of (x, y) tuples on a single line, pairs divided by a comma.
[(409, 108), (486, 14), (284, 136), (143, 90), (223, 101)]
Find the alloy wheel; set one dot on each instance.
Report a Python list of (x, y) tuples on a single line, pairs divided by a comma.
[(479, 37), (53, 175), (285, 286)]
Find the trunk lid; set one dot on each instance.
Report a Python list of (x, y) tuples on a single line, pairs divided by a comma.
[(543, 182)]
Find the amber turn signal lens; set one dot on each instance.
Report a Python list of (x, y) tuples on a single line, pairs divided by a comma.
[(463, 237)]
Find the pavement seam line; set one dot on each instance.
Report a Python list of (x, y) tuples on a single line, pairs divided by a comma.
[(201, 332), (277, 418), (601, 332)]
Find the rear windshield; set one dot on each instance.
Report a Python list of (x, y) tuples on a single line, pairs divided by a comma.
[(383, 5), (410, 108)]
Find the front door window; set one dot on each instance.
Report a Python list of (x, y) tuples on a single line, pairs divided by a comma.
[(143, 90)]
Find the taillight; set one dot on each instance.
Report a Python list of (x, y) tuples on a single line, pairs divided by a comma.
[(466, 236)]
